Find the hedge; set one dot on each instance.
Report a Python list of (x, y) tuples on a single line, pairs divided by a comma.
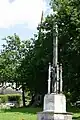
[(9, 97)]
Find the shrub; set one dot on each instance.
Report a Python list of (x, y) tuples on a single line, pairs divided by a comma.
[(3, 99), (10, 97)]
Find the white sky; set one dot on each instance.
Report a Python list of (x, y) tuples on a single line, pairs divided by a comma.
[(21, 12), (21, 17)]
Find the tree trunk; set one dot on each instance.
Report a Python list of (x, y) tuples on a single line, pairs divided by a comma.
[(32, 101), (23, 95)]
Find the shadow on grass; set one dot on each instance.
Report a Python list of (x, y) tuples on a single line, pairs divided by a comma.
[(24, 110), (73, 109), (76, 118)]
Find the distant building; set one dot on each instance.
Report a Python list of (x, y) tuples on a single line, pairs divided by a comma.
[(9, 88), (13, 94)]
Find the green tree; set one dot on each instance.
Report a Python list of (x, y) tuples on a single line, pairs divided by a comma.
[(35, 64), (14, 51), (68, 20)]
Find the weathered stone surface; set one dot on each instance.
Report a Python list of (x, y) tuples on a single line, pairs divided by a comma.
[(55, 103), (54, 116), (54, 108)]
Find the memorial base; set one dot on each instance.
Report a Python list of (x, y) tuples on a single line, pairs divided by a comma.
[(54, 108), (55, 103), (54, 116)]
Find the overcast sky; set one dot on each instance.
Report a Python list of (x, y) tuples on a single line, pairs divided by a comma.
[(21, 17)]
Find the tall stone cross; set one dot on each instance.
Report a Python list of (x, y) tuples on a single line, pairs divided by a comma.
[(56, 68)]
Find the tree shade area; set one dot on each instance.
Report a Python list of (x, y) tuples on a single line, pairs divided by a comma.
[(26, 62), (30, 113), (68, 21)]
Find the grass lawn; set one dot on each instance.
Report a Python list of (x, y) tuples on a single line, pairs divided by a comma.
[(76, 112), (19, 114), (30, 114)]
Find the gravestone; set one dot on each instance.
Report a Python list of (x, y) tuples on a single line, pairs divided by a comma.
[(54, 103)]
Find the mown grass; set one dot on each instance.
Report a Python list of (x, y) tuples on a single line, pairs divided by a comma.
[(75, 111), (30, 113), (19, 114)]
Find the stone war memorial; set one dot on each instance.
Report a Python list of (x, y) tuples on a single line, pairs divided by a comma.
[(54, 106)]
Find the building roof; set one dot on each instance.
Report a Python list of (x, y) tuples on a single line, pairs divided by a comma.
[(9, 90)]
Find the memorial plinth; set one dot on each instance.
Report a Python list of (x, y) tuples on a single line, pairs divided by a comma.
[(55, 103), (54, 116), (54, 108)]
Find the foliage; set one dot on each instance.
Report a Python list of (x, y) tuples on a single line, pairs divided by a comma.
[(3, 99), (37, 59), (10, 97), (69, 44), (14, 51)]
